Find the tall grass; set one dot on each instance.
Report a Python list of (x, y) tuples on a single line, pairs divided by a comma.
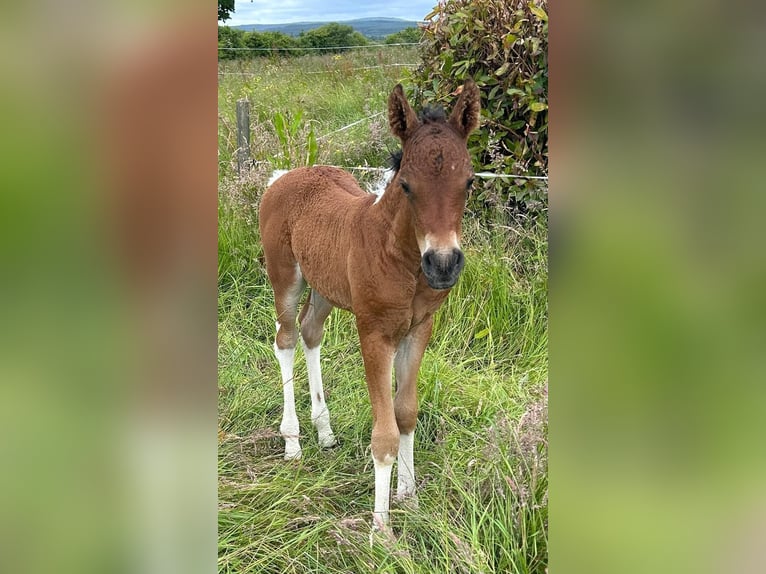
[(480, 447)]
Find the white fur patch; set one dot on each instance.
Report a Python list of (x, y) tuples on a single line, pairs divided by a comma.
[(276, 175), (430, 242), (380, 185), (320, 414), (289, 428), (382, 490), (405, 482)]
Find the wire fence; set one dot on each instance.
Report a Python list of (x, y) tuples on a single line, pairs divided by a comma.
[(245, 160), (334, 71), (480, 175), (368, 168), (313, 48)]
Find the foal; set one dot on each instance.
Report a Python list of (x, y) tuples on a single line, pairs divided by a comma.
[(390, 260)]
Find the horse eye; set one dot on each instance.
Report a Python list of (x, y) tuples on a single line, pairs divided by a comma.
[(405, 187)]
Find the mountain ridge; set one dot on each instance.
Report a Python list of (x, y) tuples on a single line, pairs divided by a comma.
[(375, 28)]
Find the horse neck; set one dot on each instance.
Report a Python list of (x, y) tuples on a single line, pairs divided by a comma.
[(395, 210)]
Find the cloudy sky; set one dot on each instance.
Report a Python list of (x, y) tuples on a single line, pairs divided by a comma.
[(281, 11)]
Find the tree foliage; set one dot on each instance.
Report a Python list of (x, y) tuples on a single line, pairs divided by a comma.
[(229, 38), (331, 36), (503, 45), (225, 8), (234, 43), (405, 36)]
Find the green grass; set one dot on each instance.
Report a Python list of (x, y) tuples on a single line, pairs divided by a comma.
[(481, 443)]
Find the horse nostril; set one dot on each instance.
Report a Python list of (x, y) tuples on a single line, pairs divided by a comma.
[(458, 259), (428, 259)]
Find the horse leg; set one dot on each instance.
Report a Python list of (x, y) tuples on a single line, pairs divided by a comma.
[(409, 354), (378, 355), (288, 284), (315, 311)]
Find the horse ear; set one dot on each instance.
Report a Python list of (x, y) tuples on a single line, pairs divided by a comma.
[(401, 117), (465, 114)]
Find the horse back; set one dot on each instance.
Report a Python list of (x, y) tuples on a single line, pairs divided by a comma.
[(310, 216)]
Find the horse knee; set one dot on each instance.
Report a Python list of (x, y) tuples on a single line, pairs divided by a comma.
[(385, 444), (286, 336), (406, 416), (311, 333)]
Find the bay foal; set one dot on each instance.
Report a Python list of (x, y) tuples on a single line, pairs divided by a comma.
[(390, 260)]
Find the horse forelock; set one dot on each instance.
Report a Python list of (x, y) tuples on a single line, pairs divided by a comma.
[(433, 144), (432, 114)]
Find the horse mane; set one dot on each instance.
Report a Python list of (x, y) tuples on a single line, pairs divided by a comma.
[(395, 159)]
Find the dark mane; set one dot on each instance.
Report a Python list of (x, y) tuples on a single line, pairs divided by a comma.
[(395, 160), (431, 114)]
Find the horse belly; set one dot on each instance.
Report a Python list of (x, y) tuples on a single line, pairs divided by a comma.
[(321, 252)]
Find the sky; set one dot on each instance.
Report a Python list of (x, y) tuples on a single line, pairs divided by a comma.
[(281, 11)]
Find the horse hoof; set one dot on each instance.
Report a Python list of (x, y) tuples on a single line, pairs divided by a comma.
[(409, 500), (328, 441), (293, 454), (381, 532)]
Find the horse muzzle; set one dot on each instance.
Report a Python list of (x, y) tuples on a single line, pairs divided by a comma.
[(442, 268)]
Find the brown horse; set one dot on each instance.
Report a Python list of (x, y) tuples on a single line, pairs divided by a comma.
[(391, 261)]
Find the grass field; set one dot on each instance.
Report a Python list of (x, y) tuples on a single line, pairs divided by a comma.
[(481, 440)]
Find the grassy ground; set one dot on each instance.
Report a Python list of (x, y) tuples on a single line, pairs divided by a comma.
[(481, 441)]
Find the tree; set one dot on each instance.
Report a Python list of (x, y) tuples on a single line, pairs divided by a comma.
[(230, 38), (405, 36), (225, 8), (263, 42), (332, 35)]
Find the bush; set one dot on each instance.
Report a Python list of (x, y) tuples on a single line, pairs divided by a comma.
[(265, 42), (503, 45), (331, 36), (260, 43), (230, 38), (405, 36)]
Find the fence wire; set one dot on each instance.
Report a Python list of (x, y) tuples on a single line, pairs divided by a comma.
[(310, 48)]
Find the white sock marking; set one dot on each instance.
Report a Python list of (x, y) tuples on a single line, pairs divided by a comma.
[(405, 480), (289, 428), (320, 414), (382, 492)]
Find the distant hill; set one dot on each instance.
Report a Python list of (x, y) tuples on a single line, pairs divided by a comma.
[(374, 28)]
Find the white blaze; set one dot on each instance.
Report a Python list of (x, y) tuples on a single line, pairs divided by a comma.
[(431, 242)]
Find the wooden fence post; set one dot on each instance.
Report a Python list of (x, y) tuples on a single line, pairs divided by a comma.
[(244, 161)]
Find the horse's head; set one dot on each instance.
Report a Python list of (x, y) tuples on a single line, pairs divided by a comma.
[(434, 175)]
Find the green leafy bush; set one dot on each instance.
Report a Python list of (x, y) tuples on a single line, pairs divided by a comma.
[(405, 36), (503, 46), (267, 41), (331, 36), (230, 38)]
